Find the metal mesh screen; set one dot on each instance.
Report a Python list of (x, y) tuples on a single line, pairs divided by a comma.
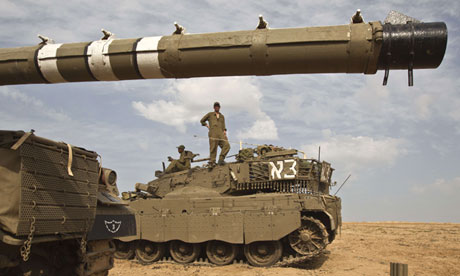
[(60, 203)]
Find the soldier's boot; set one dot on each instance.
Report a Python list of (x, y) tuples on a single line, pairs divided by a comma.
[(211, 165), (159, 173), (221, 162)]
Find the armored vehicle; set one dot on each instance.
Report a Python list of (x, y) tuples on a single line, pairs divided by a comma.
[(59, 209), (262, 204)]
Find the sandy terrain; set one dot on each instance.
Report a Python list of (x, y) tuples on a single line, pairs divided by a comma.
[(362, 249)]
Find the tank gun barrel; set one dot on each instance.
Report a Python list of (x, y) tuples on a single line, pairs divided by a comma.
[(353, 48)]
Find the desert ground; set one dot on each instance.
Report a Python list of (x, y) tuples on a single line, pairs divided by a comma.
[(362, 249)]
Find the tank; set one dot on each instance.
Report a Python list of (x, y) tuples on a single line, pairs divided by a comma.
[(268, 204), (59, 210), (401, 42)]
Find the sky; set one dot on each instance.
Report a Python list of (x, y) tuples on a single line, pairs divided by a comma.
[(400, 144)]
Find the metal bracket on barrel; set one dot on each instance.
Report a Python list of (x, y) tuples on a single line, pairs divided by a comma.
[(45, 40), (179, 29), (388, 55), (410, 71), (107, 35)]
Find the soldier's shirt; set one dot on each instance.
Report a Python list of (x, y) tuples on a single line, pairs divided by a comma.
[(185, 157), (216, 125)]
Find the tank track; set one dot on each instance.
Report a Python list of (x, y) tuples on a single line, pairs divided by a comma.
[(61, 258), (289, 258), (286, 261)]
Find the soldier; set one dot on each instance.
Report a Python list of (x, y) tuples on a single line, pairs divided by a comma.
[(217, 135), (183, 163)]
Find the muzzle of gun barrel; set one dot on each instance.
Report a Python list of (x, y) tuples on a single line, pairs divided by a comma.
[(412, 46)]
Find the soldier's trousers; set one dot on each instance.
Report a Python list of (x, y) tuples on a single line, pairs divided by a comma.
[(213, 144), (175, 166)]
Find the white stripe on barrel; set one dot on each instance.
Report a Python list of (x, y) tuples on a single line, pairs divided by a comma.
[(47, 62), (99, 60), (147, 57)]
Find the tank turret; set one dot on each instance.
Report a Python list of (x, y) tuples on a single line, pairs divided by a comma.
[(400, 42), (273, 169)]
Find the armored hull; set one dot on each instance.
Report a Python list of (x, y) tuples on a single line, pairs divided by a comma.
[(59, 212), (266, 207)]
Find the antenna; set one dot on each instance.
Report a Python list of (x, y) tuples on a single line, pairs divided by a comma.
[(342, 184), (319, 165)]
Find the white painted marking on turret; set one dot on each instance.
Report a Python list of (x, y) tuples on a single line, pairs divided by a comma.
[(47, 61), (99, 60), (147, 57)]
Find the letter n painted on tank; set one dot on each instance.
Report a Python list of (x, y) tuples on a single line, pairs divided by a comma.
[(276, 170)]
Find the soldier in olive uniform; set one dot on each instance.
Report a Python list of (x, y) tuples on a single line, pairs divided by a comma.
[(183, 163), (217, 134)]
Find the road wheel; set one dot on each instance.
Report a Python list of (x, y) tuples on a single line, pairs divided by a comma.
[(263, 253), (221, 253), (183, 252), (310, 239), (148, 252), (124, 250)]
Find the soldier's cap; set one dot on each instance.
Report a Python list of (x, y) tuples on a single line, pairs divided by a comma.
[(181, 147), (217, 104)]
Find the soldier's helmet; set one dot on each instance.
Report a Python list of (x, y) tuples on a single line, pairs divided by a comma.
[(216, 104), (181, 147)]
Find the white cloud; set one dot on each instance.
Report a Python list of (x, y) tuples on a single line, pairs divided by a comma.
[(190, 99), (167, 113), (25, 101), (263, 128), (440, 185), (423, 103), (356, 153), (454, 113), (14, 11)]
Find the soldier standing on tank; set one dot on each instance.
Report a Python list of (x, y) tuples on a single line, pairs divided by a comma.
[(183, 163), (217, 134)]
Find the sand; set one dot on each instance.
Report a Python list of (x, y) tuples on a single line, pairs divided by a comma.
[(361, 249)]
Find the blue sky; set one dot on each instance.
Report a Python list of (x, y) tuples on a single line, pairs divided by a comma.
[(400, 144)]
